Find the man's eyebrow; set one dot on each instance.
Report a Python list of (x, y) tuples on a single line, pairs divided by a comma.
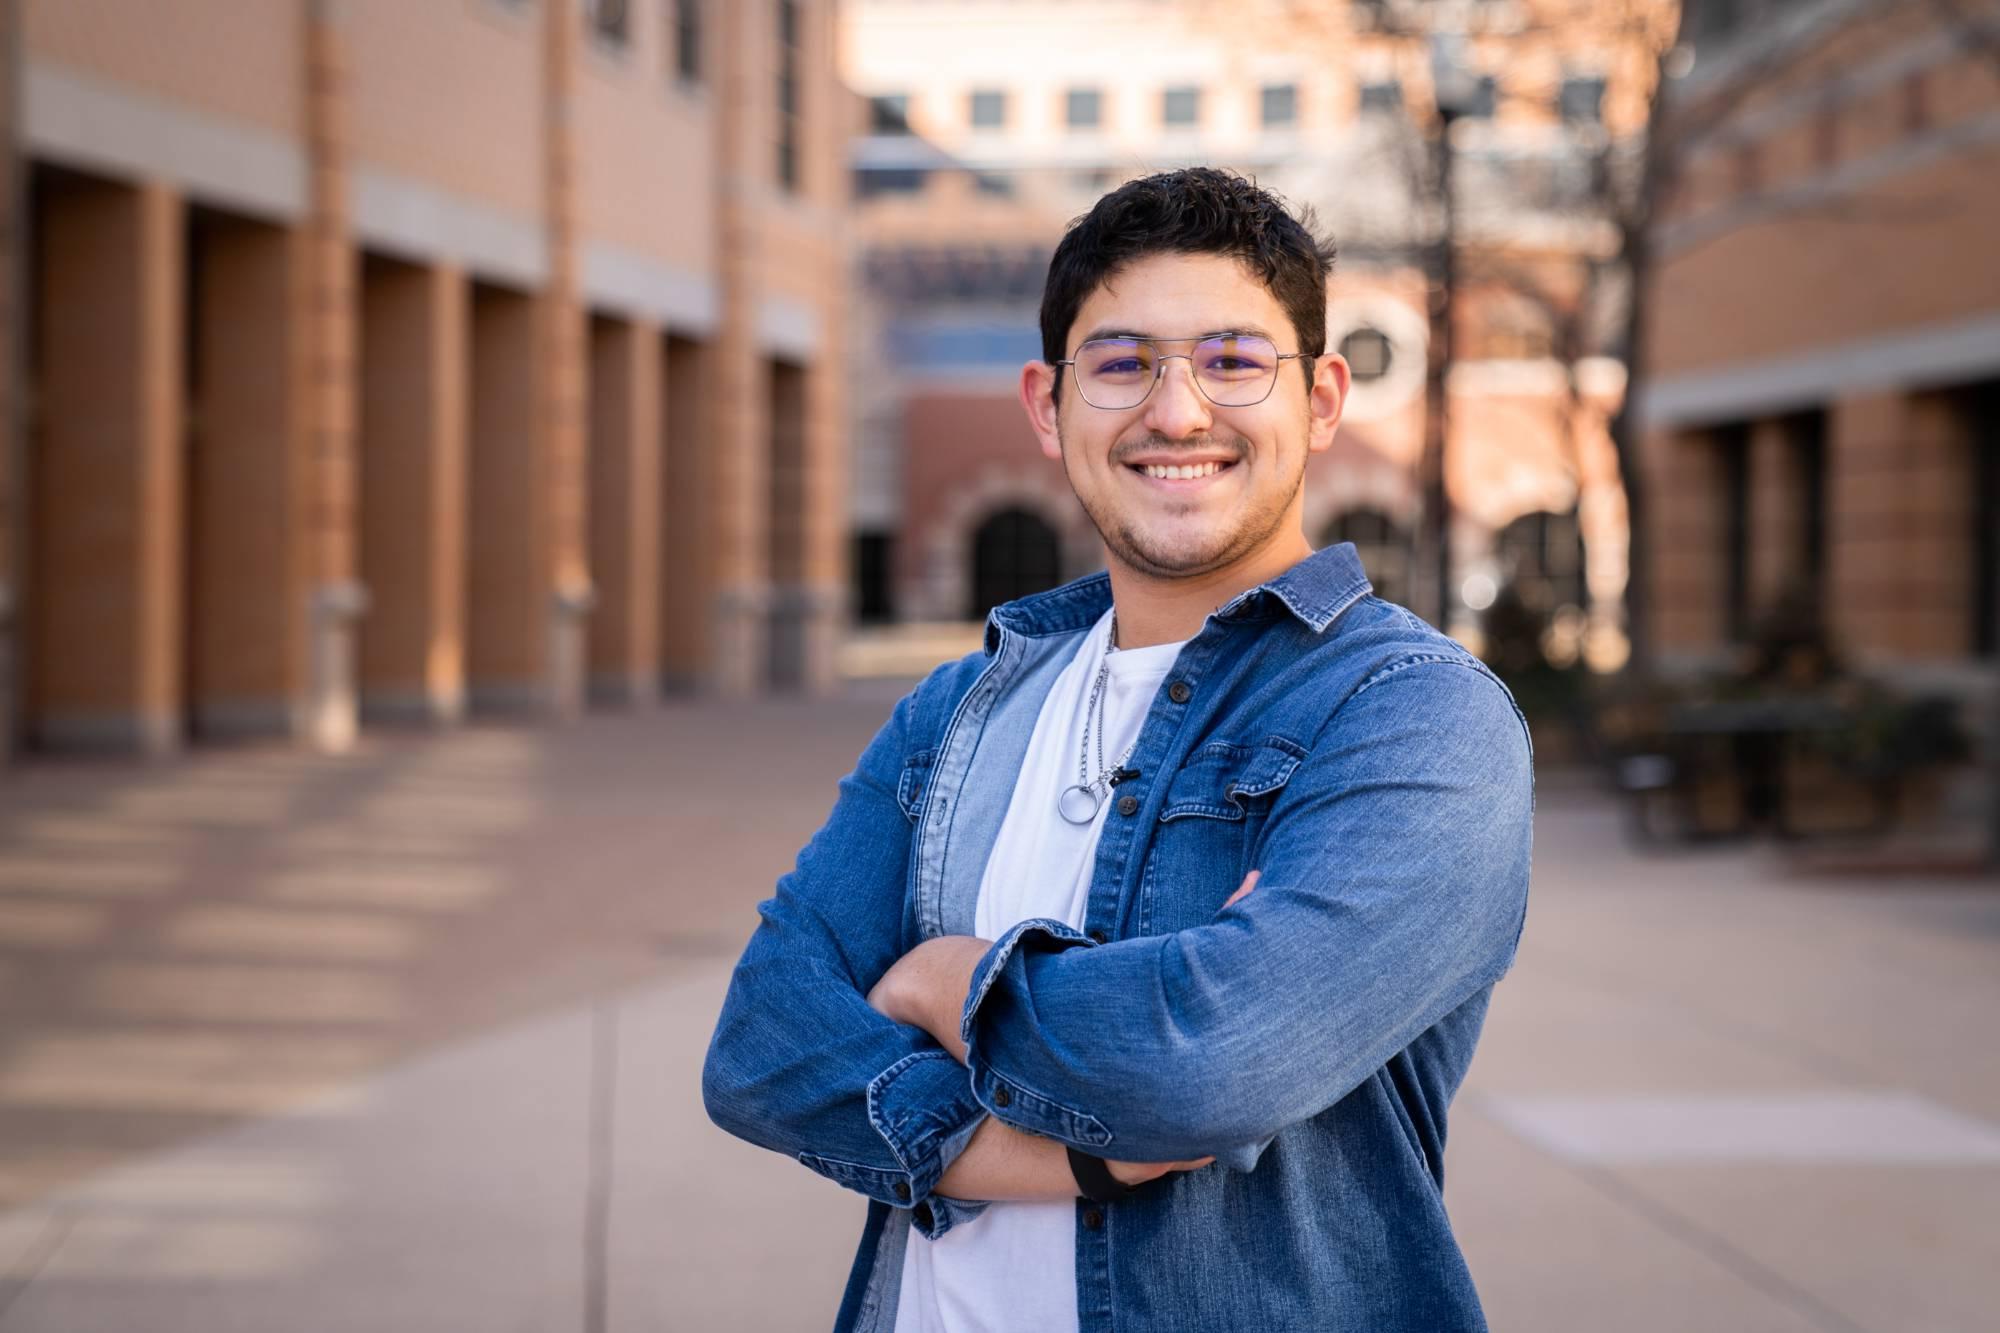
[(1239, 330)]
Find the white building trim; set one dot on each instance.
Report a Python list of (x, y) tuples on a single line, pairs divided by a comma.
[(77, 121), (420, 222), (1931, 356)]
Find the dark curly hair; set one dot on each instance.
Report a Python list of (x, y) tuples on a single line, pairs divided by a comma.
[(1197, 210)]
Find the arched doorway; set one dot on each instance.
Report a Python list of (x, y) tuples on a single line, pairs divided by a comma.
[(1014, 553), (1384, 549), (1541, 558)]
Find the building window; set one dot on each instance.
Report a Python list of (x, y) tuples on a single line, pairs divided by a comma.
[(1581, 101), (1485, 98), (1084, 109), (789, 119), (610, 21), (1541, 559), (1280, 105), (1180, 107), (687, 40), (889, 114), (872, 181), (1385, 98), (987, 108), (1367, 354)]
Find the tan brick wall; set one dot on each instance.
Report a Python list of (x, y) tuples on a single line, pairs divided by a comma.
[(414, 432), (237, 59)]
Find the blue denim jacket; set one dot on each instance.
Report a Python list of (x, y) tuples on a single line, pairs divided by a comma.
[(1311, 1037)]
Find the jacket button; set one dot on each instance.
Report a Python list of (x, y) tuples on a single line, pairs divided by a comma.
[(903, 1191), (922, 1213), (1002, 1097), (1179, 692), (1098, 937), (1093, 1219), (1128, 805)]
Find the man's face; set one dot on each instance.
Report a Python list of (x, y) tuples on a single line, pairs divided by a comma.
[(1250, 461)]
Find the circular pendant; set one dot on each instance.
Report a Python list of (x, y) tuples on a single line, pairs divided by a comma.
[(1078, 804)]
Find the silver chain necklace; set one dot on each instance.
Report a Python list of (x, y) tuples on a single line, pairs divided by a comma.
[(1079, 803)]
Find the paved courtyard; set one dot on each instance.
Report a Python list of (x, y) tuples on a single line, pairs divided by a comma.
[(410, 1040)]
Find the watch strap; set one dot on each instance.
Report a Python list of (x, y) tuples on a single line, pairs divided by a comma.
[(1093, 1178)]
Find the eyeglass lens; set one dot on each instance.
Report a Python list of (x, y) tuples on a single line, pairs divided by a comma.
[(1234, 371)]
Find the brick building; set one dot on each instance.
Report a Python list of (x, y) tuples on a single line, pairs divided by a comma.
[(1823, 419), (371, 361), (992, 125)]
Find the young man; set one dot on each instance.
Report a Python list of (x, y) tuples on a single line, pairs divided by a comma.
[(1140, 958)]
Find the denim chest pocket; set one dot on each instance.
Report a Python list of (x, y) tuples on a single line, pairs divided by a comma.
[(1210, 825), (916, 779)]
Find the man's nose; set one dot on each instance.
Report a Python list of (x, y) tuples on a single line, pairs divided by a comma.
[(1177, 407)]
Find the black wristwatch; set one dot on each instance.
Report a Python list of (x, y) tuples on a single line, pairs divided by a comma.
[(1094, 1179)]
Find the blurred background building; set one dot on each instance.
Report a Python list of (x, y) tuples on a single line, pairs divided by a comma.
[(381, 361), (1823, 336), (1460, 156)]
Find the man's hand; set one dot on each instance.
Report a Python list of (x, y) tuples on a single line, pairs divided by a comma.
[(927, 987)]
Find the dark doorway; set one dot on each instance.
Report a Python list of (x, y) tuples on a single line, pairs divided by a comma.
[(1014, 553), (1383, 547)]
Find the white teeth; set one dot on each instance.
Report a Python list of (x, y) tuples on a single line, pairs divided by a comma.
[(1182, 472)]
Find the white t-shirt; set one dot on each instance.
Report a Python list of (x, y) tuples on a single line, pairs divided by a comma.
[(1014, 1266)]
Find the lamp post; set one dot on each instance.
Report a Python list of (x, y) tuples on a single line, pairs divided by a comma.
[(1455, 89)]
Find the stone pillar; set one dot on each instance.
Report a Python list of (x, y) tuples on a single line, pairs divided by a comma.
[(105, 637), (337, 598), (1689, 594), (13, 257), (562, 467), (825, 539), (1900, 521), (413, 492), (247, 514), (626, 367), (740, 379)]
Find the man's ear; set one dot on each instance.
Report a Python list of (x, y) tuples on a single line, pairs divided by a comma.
[(1038, 399), (1325, 400)]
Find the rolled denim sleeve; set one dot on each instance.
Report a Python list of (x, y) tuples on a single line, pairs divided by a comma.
[(799, 1062), (1394, 877)]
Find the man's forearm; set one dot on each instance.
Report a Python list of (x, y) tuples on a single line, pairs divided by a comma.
[(1003, 1164)]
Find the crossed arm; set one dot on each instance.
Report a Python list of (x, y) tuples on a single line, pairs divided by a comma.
[(927, 988), (1394, 880)]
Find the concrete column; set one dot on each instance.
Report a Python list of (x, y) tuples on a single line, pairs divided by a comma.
[(562, 465), (740, 379), (687, 541), (105, 637), (507, 610), (626, 369), (413, 492), (13, 257), (337, 598), (1900, 499), (247, 514), (825, 540)]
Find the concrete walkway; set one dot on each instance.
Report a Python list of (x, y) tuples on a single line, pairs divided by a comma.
[(410, 1040)]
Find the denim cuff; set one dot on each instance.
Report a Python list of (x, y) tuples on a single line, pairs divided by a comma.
[(1007, 1099), (923, 1108)]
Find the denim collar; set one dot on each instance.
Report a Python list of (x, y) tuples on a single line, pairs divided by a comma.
[(1315, 590)]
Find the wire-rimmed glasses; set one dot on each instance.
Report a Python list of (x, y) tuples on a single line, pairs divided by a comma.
[(1231, 369)]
